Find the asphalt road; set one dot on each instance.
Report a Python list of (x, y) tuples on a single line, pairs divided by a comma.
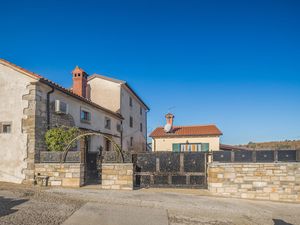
[(20, 205)]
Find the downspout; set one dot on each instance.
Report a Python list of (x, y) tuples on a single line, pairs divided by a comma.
[(121, 135), (48, 107), (146, 130)]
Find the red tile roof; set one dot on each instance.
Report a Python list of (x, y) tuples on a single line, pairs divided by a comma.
[(58, 87), (21, 69), (200, 130)]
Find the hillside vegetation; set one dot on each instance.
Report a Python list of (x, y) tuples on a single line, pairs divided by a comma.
[(274, 145)]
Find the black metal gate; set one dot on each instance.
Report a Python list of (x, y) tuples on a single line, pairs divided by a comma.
[(169, 169)]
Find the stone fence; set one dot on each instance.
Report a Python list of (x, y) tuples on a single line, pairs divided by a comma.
[(117, 176), (56, 157), (65, 174), (266, 181)]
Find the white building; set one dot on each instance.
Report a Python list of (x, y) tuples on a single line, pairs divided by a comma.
[(118, 96), (28, 108), (195, 138)]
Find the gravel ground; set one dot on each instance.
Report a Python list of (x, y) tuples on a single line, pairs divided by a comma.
[(23, 205), (27, 205)]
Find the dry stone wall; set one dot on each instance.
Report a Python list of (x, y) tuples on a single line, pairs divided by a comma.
[(265, 181), (65, 174), (117, 176)]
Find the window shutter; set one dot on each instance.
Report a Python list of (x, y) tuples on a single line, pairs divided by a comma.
[(176, 147), (205, 147)]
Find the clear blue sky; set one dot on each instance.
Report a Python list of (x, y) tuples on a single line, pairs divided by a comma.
[(232, 63)]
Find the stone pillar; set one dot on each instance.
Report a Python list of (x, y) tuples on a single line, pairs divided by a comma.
[(28, 127), (117, 176)]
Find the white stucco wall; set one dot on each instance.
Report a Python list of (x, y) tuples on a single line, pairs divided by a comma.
[(165, 144), (139, 138), (115, 96), (13, 146), (105, 93)]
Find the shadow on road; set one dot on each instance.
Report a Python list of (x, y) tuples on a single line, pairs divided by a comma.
[(7, 204), (280, 222)]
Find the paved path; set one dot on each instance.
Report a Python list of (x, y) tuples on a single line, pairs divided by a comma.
[(108, 214), (178, 207), (35, 206)]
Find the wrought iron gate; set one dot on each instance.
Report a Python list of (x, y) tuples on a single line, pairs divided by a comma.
[(169, 169)]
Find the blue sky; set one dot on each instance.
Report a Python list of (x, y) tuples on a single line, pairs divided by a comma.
[(232, 63)]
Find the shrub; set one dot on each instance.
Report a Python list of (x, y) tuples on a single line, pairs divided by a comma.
[(58, 138)]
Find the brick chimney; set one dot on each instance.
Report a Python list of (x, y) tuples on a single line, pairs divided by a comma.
[(79, 82), (170, 119)]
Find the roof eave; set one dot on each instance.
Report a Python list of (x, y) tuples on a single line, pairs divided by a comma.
[(62, 89), (176, 135)]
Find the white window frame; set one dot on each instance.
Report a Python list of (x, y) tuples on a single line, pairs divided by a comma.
[(84, 110)]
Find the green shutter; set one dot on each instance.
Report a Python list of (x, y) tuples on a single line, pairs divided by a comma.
[(176, 147), (205, 147)]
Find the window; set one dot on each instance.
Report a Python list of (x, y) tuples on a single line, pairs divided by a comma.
[(85, 116), (176, 147), (190, 147), (141, 111), (130, 101), (107, 123), (131, 141), (131, 121), (5, 128), (141, 127), (119, 127)]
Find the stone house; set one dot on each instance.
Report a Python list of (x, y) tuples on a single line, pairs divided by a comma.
[(31, 104), (185, 138)]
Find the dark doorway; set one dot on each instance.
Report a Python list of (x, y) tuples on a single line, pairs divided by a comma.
[(92, 158), (92, 168)]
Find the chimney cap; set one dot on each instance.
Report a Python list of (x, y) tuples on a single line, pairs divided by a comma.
[(78, 70), (169, 115)]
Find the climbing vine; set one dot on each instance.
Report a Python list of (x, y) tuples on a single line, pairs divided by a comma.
[(57, 139)]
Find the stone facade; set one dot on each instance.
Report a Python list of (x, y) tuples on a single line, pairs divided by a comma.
[(66, 174), (28, 127), (265, 181), (117, 176)]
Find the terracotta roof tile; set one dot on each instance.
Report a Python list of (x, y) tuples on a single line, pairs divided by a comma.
[(59, 87), (200, 130), (20, 68)]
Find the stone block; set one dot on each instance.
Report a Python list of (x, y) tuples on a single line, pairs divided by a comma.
[(216, 185), (115, 187), (259, 184), (121, 182), (220, 175), (55, 183), (129, 172), (247, 186), (108, 182), (229, 175), (68, 175), (71, 182)]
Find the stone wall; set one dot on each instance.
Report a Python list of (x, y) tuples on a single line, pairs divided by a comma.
[(66, 174), (117, 176), (266, 181), (29, 128)]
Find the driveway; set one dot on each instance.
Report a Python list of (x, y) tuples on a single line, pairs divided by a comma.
[(19, 205)]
